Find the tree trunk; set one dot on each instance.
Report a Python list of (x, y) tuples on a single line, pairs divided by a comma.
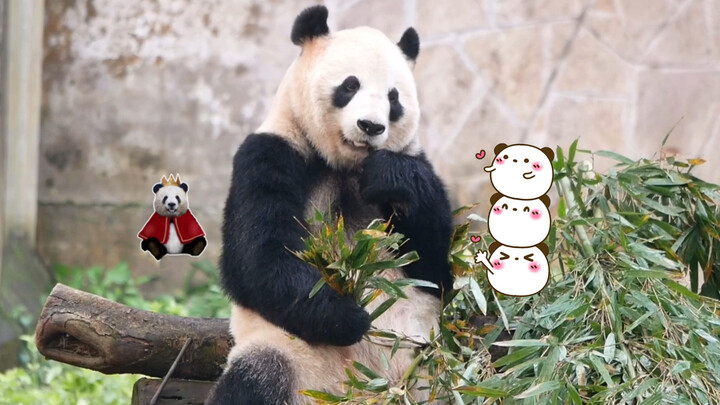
[(89, 331)]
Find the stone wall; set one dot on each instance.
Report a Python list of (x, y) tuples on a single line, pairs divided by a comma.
[(136, 89)]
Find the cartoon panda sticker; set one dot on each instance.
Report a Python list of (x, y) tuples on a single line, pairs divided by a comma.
[(518, 272), (519, 223), (172, 228), (521, 171)]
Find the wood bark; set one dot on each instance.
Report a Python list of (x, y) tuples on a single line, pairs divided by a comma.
[(176, 392), (89, 331)]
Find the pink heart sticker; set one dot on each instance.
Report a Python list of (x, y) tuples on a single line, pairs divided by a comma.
[(475, 239), (480, 155)]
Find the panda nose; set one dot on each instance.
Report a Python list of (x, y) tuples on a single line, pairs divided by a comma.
[(370, 128), (171, 204)]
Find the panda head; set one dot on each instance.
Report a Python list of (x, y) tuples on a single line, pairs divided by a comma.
[(353, 90), (171, 197)]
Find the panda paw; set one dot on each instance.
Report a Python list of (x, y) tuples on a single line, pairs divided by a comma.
[(348, 322), (387, 179)]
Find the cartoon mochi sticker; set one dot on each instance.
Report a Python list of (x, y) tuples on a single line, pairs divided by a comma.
[(516, 271), (521, 171), (519, 223)]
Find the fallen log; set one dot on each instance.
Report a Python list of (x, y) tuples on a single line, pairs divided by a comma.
[(89, 331), (177, 392)]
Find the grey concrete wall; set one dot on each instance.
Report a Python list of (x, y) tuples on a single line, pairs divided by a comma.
[(23, 279), (135, 89)]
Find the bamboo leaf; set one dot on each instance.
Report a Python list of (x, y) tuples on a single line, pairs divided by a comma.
[(478, 391), (318, 285), (323, 396), (521, 343), (365, 370), (541, 388), (382, 308), (479, 296), (615, 156)]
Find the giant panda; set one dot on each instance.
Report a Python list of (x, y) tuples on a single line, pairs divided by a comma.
[(341, 133)]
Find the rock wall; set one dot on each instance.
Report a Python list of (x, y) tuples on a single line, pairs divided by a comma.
[(136, 89)]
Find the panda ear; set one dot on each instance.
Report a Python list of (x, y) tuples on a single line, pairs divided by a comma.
[(184, 186), (493, 247), (157, 187), (544, 248), (549, 153), (495, 197), (545, 199), (499, 147), (410, 44), (309, 24)]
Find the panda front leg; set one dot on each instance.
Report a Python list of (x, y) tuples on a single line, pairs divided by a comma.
[(410, 193), (263, 223)]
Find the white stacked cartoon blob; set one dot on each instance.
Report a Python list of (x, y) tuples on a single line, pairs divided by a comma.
[(516, 271), (521, 171), (519, 219), (519, 223)]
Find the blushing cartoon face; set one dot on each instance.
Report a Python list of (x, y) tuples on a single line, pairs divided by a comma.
[(519, 223), (518, 271), (521, 171)]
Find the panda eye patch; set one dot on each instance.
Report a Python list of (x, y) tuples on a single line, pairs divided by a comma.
[(351, 83), (164, 199), (396, 109), (345, 91), (393, 96), (177, 197)]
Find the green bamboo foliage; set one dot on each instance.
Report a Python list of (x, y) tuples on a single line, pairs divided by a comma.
[(355, 269), (614, 325)]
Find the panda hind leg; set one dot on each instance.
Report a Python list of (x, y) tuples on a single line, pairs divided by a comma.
[(195, 247), (262, 376), (155, 248)]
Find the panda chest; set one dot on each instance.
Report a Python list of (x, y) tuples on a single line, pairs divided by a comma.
[(173, 245), (340, 194)]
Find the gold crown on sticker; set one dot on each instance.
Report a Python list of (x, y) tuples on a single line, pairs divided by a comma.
[(172, 180)]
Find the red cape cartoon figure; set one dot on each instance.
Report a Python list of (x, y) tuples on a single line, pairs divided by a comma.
[(158, 227), (172, 229)]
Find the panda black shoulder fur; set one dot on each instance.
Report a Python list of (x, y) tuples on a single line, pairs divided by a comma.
[(341, 133)]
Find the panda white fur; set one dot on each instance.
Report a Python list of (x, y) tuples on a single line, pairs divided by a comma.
[(341, 133)]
